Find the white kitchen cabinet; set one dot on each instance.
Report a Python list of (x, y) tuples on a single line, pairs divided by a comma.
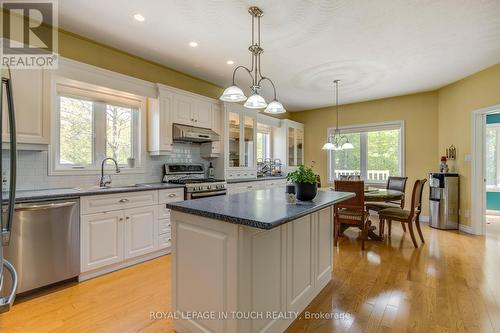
[(180, 107), (32, 115), (288, 144), (121, 229), (101, 239), (241, 187), (214, 149), (202, 115), (141, 231), (192, 111), (160, 123), (240, 137)]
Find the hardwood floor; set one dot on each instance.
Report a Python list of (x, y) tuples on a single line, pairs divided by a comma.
[(451, 284)]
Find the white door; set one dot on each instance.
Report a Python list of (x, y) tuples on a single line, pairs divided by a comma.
[(141, 231), (32, 119), (183, 110), (101, 239), (203, 114)]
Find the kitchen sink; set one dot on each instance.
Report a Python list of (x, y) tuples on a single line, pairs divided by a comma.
[(112, 187)]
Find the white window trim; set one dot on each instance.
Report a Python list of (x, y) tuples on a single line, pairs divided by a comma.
[(137, 101), (367, 128)]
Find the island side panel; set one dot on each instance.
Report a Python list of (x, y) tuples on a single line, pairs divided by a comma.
[(277, 270), (204, 271), (262, 278)]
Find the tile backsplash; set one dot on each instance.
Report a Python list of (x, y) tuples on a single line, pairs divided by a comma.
[(32, 169)]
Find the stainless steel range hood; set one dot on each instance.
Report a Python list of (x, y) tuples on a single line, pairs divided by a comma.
[(193, 134)]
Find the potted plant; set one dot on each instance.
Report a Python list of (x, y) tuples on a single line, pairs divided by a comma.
[(306, 184)]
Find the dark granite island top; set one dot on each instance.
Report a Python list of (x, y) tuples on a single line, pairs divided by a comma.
[(263, 209)]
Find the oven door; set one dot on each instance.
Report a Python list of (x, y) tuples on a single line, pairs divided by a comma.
[(198, 195)]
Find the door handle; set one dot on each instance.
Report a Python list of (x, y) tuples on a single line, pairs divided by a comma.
[(171, 195), (6, 302), (44, 207), (123, 200)]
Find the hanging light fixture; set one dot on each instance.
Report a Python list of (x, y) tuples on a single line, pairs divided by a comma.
[(234, 94), (337, 141)]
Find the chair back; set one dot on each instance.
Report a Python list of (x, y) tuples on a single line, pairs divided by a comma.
[(416, 197), (397, 183), (355, 186)]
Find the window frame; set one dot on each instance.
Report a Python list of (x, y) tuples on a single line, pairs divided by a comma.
[(100, 96), (496, 187), (267, 142), (365, 128)]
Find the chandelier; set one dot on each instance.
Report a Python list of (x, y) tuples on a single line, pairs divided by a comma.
[(337, 141), (255, 101)]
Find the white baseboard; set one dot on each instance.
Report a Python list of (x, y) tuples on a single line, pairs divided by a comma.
[(108, 269), (493, 212)]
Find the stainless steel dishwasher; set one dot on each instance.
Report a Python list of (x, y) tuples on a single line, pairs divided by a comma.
[(45, 243)]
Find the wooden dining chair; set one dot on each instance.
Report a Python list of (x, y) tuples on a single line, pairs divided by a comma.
[(409, 217), (351, 212), (393, 183)]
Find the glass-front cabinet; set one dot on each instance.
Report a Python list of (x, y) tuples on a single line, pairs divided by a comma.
[(241, 138), (294, 143)]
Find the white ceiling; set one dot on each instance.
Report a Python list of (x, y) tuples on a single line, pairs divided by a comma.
[(378, 48)]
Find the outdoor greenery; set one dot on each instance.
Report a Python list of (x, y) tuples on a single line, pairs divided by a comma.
[(79, 126), (382, 152), (118, 133), (302, 175), (76, 131)]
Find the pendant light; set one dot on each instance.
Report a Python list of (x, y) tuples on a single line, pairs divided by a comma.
[(234, 94), (337, 141)]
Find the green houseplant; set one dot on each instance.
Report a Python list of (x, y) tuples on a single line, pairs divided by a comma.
[(306, 183)]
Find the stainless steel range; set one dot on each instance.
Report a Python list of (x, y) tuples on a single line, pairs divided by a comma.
[(192, 176)]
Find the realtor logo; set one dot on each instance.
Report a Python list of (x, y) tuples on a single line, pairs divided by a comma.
[(29, 34)]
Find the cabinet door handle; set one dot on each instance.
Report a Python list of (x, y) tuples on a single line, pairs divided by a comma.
[(123, 200), (171, 195), (249, 186), (128, 217), (121, 218)]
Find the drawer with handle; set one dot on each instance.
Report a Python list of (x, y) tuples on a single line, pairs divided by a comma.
[(116, 201), (164, 226), (163, 212), (165, 240), (170, 195)]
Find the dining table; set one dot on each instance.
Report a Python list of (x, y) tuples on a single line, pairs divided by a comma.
[(373, 194), (382, 195)]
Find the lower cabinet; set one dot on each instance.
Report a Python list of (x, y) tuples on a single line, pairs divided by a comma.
[(124, 230), (141, 231), (101, 239)]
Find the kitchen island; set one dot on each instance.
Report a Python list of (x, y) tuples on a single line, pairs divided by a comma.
[(249, 262)]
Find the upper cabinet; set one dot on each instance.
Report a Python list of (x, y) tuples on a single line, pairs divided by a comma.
[(241, 135), (289, 144), (32, 115), (188, 110), (180, 107)]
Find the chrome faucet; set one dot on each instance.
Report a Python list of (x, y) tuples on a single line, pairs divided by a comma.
[(106, 179)]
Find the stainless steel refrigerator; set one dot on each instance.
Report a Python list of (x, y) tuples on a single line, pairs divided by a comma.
[(7, 199)]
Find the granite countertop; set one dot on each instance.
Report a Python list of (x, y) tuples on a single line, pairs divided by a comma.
[(235, 181), (263, 209), (65, 193)]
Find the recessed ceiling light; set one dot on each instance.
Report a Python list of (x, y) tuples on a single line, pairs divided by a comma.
[(230, 62), (139, 17), (193, 44)]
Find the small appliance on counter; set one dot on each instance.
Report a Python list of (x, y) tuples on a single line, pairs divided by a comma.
[(444, 200), (192, 176)]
